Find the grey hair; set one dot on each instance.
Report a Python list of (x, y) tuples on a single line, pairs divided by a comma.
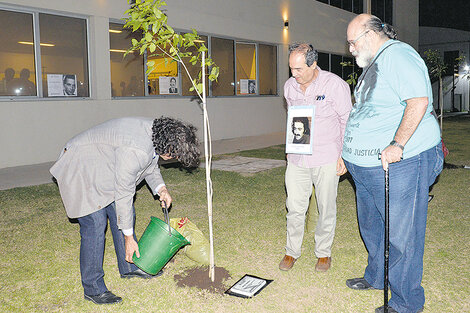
[(307, 49), (376, 25)]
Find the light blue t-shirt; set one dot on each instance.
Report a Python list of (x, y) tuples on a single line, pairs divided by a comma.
[(397, 74)]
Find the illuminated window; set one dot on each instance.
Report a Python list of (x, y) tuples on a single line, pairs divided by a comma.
[(223, 55), (62, 54), (127, 73), (163, 80), (267, 69), (246, 68), (193, 70), (17, 64), (66, 62)]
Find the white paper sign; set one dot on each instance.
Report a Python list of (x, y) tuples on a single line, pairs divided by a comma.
[(168, 85), (61, 85), (299, 131)]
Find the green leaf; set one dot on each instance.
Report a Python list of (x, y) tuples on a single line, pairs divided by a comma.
[(152, 47), (215, 71)]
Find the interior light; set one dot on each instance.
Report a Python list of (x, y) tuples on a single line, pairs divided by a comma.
[(117, 50), (115, 31), (286, 24), (41, 44)]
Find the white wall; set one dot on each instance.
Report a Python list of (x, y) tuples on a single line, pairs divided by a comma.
[(34, 131)]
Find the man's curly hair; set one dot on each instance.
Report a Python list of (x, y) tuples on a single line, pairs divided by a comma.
[(177, 139)]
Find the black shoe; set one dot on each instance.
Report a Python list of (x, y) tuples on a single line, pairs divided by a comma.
[(106, 297), (358, 284), (141, 274), (382, 310), (391, 310)]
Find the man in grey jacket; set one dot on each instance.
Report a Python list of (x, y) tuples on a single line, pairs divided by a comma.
[(97, 173)]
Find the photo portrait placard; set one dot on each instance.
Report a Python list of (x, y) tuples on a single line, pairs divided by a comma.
[(299, 130), (61, 85), (168, 85)]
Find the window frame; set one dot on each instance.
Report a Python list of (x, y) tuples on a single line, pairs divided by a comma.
[(35, 12), (209, 47)]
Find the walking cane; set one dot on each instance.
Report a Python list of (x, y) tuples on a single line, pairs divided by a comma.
[(387, 241)]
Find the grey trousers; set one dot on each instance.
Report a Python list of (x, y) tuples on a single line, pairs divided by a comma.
[(299, 182)]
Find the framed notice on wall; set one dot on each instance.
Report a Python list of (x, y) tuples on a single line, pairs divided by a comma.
[(299, 131), (61, 85)]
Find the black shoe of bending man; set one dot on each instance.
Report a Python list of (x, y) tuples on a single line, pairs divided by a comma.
[(358, 284), (106, 297), (140, 274)]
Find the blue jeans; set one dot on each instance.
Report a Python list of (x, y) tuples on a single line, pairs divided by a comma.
[(409, 182), (92, 232)]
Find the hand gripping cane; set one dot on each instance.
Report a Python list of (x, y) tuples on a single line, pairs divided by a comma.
[(387, 240)]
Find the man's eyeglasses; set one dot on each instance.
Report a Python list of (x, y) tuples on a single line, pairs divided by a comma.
[(353, 42)]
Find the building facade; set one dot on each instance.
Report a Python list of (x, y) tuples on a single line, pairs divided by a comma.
[(62, 67), (451, 44)]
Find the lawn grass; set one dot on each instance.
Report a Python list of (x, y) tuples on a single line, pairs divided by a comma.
[(39, 269)]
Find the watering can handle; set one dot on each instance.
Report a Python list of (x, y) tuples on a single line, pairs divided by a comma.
[(167, 218)]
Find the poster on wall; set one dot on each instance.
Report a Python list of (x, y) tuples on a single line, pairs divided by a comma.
[(247, 86), (168, 85), (61, 85), (243, 86), (299, 133)]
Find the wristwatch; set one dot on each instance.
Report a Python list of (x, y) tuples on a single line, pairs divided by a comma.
[(396, 144)]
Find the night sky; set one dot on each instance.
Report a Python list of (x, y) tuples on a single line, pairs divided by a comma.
[(445, 13)]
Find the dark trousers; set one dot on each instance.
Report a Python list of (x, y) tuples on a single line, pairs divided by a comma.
[(92, 231)]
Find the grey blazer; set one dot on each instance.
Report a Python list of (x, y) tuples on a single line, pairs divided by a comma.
[(105, 164)]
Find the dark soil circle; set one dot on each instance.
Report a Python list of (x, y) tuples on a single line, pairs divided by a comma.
[(199, 277)]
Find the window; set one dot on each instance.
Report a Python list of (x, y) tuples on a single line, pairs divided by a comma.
[(17, 64), (355, 6), (267, 69), (60, 59), (223, 56), (253, 65), (332, 62), (67, 58), (383, 9), (450, 60), (127, 73), (193, 70), (246, 68), (163, 79)]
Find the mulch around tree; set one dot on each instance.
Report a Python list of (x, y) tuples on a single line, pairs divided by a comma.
[(199, 277)]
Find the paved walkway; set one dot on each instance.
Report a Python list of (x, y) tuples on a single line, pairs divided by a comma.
[(37, 174), (241, 164)]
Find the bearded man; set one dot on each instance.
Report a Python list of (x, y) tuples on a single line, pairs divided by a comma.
[(391, 127)]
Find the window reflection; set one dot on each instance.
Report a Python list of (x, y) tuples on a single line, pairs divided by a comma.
[(193, 70), (267, 69), (246, 68), (17, 66), (127, 73), (223, 56), (163, 79), (67, 58)]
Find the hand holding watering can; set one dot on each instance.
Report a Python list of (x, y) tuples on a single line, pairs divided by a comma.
[(131, 245)]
